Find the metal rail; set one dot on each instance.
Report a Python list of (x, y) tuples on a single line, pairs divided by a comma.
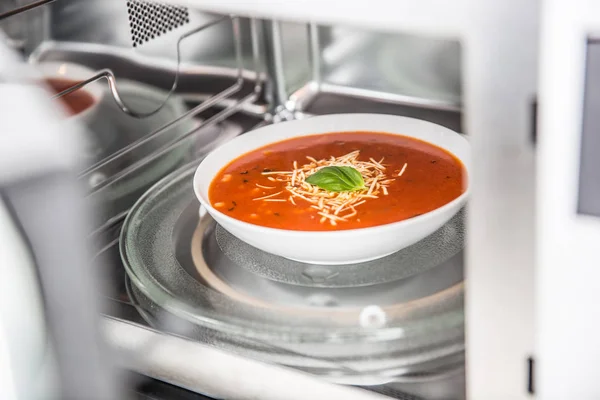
[(112, 83), (220, 116), (22, 9), (175, 360)]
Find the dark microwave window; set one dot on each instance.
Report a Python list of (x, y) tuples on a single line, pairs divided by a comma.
[(589, 167)]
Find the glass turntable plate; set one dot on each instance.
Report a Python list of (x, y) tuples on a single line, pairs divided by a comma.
[(442, 247), (176, 263)]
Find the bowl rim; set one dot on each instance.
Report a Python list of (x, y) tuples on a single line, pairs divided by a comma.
[(456, 203)]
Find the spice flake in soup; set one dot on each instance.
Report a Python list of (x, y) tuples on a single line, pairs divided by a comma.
[(337, 181)]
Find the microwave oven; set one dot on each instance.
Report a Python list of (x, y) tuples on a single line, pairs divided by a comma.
[(506, 312)]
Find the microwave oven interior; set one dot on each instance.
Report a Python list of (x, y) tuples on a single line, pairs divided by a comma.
[(177, 82)]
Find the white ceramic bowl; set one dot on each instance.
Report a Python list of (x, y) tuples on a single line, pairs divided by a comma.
[(334, 247)]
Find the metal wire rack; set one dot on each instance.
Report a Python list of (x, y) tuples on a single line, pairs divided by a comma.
[(224, 98), (233, 106), (225, 94)]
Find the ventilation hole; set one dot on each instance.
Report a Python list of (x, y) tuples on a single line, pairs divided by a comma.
[(149, 19)]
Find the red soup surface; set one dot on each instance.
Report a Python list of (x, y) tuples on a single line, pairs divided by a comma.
[(403, 178), (76, 101)]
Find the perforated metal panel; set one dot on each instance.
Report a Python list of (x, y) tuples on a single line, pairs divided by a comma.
[(149, 19)]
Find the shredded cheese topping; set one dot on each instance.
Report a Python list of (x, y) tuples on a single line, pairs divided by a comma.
[(331, 206)]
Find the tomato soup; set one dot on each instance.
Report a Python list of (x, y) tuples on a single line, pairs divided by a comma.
[(337, 181), (75, 102)]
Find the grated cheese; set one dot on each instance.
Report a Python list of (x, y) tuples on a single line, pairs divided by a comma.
[(332, 206), (268, 196), (265, 187), (403, 169)]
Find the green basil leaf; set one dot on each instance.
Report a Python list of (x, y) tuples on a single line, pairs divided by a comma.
[(337, 179)]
